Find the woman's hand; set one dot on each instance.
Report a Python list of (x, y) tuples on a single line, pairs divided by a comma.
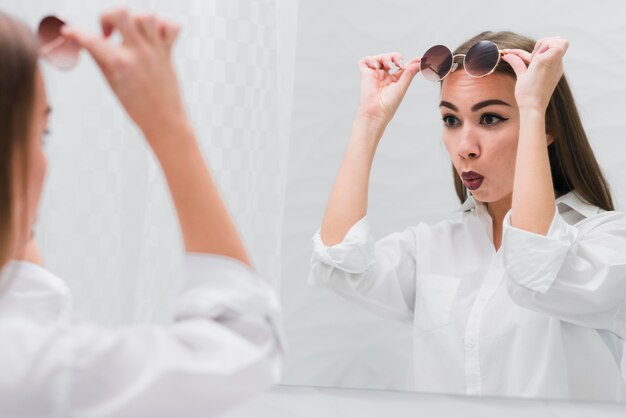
[(538, 72), (140, 69), (382, 91)]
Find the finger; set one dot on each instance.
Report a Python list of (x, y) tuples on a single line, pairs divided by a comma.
[(373, 63), (518, 64), (366, 65), (387, 63), (408, 73), (119, 19), (168, 31), (524, 55), (146, 26), (397, 60), (540, 47), (379, 61), (551, 48), (99, 48), (384, 61)]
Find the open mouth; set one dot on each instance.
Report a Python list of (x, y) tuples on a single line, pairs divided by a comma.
[(472, 180)]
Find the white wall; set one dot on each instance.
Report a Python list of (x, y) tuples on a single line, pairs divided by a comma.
[(334, 343)]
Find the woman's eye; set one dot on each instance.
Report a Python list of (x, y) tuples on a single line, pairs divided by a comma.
[(491, 119), (450, 121)]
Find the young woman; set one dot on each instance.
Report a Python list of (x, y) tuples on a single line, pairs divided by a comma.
[(223, 343), (524, 294)]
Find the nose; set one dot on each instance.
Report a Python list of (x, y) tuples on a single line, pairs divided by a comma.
[(468, 146)]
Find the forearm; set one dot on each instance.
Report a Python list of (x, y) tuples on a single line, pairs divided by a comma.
[(533, 193), (205, 223), (348, 200)]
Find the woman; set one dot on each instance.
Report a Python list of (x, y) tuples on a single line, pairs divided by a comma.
[(223, 342), (524, 294)]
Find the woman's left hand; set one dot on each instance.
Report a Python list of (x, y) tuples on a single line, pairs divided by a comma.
[(538, 72)]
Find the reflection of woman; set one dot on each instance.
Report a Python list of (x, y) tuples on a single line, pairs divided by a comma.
[(524, 294), (222, 344)]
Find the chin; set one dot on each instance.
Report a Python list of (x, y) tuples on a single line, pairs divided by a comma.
[(484, 195)]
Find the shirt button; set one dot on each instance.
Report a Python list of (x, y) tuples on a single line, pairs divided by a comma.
[(471, 345)]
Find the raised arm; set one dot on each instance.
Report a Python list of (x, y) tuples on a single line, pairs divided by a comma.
[(533, 203), (381, 94), (141, 73)]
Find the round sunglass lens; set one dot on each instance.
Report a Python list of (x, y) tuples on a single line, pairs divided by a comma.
[(482, 58), (436, 63), (54, 47)]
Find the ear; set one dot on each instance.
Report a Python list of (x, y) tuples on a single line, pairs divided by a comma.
[(549, 138)]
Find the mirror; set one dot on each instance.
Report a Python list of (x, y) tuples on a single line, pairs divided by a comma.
[(337, 341)]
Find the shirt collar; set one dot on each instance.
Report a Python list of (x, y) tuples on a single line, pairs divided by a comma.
[(468, 205), (571, 200)]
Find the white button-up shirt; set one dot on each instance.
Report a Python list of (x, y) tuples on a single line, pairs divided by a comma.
[(222, 345), (544, 316)]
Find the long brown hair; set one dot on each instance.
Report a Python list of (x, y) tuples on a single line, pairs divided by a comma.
[(572, 162), (18, 66)]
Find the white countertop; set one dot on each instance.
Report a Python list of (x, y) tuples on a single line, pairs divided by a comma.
[(305, 402)]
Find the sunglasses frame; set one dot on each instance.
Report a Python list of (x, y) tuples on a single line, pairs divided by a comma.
[(455, 64)]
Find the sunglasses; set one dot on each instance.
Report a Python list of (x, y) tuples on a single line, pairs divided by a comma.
[(480, 61), (59, 51)]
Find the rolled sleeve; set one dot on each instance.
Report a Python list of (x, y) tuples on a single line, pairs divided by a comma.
[(534, 260), (222, 288), (355, 254), (576, 273), (379, 275)]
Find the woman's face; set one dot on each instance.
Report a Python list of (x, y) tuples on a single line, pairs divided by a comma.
[(481, 130), (28, 205)]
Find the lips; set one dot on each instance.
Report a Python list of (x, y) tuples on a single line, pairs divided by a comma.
[(472, 180)]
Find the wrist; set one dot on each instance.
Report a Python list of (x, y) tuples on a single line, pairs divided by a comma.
[(532, 110), (369, 126), (172, 131), (370, 119), (532, 115)]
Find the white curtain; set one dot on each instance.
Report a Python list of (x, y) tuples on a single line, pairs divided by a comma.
[(106, 223)]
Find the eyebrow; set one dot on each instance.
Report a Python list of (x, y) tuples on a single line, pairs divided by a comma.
[(48, 110), (477, 106)]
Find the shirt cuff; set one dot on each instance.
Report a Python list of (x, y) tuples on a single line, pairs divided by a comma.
[(355, 254), (534, 260), (215, 287)]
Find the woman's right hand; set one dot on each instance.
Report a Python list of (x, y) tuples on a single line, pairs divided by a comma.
[(139, 70), (382, 91)]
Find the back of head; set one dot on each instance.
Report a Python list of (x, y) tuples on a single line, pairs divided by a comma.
[(18, 66), (572, 162)]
